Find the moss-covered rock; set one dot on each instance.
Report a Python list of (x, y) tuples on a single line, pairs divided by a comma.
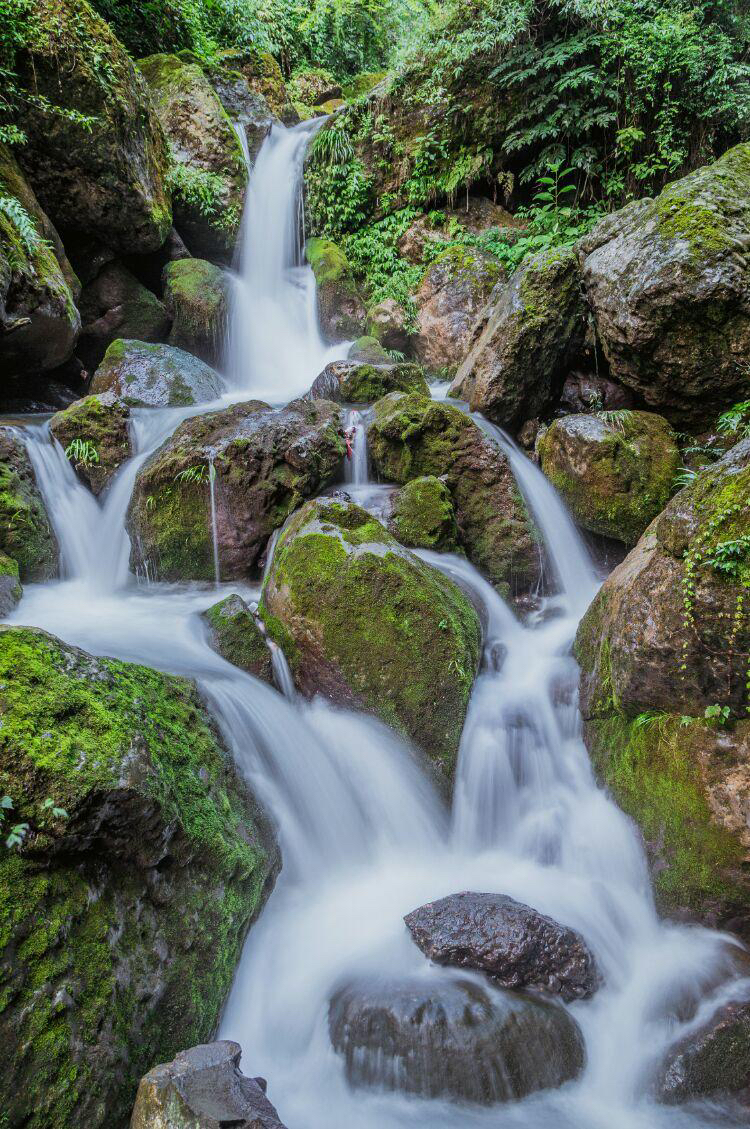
[(521, 345), (313, 86), (389, 323), (95, 435), (26, 534), (453, 293), (105, 172), (422, 516), (39, 322), (209, 174), (237, 637), (245, 106), (155, 376), (121, 923), (362, 83), (115, 304), (340, 305), (196, 294), (664, 652), (264, 76), (711, 1062), (365, 622), (614, 470), (265, 464), (667, 281), (412, 436), (10, 584), (368, 350), (350, 382)]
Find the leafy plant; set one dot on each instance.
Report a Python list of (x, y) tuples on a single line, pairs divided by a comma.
[(197, 188), (15, 833), (717, 713), (736, 421), (82, 452), (196, 475)]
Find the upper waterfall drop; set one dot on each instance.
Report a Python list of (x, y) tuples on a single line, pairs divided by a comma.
[(276, 348)]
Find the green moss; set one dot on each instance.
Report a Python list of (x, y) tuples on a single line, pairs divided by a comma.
[(403, 639), (102, 423), (196, 294), (362, 84), (368, 383), (237, 637), (538, 297), (652, 766), (423, 516), (25, 532), (177, 518), (369, 351), (328, 261)]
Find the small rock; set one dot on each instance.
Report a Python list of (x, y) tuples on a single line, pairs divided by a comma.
[(369, 351), (513, 943), (95, 434), (387, 322), (422, 516), (237, 637), (26, 533), (10, 585), (583, 392), (115, 304)]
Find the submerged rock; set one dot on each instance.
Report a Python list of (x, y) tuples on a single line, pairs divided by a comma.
[(452, 294), (412, 436), (196, 294), (452, 1038), (517, 946), (155, 376), (210, 174), (667, 282), (130, 908), (529, 331), (26, 534), (237, 637), (663, 654), (366, 623), (352, 382), (340, 305), (713, 1061), (95, 435), (203, 1088), (105, 174), (265, 464), (422, 516), (115, 304), (39, 322), (614, 470)]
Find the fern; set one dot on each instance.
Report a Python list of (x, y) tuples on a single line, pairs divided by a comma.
[(24, 225)]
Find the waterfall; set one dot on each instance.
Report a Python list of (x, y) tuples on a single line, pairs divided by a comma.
[(364, 836)]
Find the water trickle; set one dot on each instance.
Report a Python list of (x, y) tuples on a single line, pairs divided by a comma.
[(214, 529)]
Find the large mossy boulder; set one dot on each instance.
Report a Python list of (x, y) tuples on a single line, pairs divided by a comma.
[(235, 635), (115, 304), (412, 436), (209, 171), (664, 652), (422, 516), (614, 470), (449, 300), (667, 281), (521, 346), (101, 169), (26, 534), (369, 625), (196, 294), (155, 376), (352, 382), (340, 306), (264, 76), (39, 322), (265, 463), (95, 435), (122, 920)]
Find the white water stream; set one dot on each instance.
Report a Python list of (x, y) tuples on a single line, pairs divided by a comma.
[(364, 837)]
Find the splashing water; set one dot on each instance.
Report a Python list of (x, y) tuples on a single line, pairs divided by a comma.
[(364, 836)]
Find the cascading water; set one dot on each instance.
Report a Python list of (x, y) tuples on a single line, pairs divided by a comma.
[(364, 837)]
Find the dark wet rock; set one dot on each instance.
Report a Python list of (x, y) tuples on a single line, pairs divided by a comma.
[(666, 640), (115, 304), (412, 436), (522, 345), (713, 1061), (452, 1038), (422, 516), (26, 533), (206, 153), (452, 294), (583, 392), (352, 382), (265, 464), (264, 76), (237, 637), (10, 585), (388, 323), (95, 435), (513, 943), (245, 106), (667, 282), (155, 376), (149, 269), (614, 470), (39, 322), (203, 1088), (106, 176), (196, 294), (131, 910), (340, 304), (369, 625)]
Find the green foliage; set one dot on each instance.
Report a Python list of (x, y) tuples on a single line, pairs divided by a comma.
[(375, 258), (196, 475), (736, 421), (202, 190), (17, 833), (82, 452)]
